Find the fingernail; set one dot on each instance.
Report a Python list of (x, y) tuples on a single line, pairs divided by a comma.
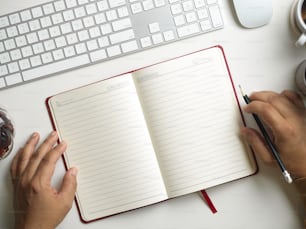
[(73, 171), (53, 133), (34, 135)]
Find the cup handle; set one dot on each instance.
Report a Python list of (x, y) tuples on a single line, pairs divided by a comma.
[(301, 41)]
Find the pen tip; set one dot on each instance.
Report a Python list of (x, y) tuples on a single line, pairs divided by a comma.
[(241, 90)]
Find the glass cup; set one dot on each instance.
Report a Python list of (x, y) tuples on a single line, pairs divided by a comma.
[(6, 134)]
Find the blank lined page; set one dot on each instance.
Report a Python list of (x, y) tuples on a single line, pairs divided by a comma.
[(109, 143), (194, 121)]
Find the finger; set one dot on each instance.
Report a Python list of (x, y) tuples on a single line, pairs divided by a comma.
[(285, 107), (13, 168), (258, 144), (42, 150), (24, 155), (270, 116), (46, 167), (294, 98), (68, 188)]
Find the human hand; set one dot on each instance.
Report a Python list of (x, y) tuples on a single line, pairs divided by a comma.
[(37, 204), (285, 116)]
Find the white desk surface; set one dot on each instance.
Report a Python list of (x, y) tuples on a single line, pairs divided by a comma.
[(259, 59)]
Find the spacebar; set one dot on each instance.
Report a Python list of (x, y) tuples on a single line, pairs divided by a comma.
[(55, 67)]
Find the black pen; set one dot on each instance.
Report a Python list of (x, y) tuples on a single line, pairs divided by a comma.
[(268, 140)]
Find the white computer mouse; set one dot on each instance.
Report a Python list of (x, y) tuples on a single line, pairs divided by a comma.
[(253, 13)]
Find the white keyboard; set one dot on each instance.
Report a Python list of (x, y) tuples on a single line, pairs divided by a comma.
[(66, 34)]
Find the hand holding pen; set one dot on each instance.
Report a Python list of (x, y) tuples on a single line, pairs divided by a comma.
[(285, 116)]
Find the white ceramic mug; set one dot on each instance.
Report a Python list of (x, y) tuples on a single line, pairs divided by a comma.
[(300, 21)]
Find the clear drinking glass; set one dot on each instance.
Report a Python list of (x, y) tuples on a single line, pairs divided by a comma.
[(6, 134)]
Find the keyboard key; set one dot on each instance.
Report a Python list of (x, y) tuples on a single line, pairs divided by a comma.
[(106, 28), (37, 12), (58, 54), (68, 15), (122, 24), (21, 41), (38, 48), (13, 79), (111, 15), (71, 3), (154, 27), (57, 18), (92, 45), (79, 12), (199, 3), (48, 9), (9, 44), (27, 51), (94, 32), (34, 25), (216, 16), (91, 9), (72, 38), (35, 61), (136, 8), (188, 30), (12, 31), (15, 54), (116, 3), (103, 42), (157, 38), (54, 31), (122, 36), (148, 4), (23, 28), (66, 28), (46, 58), (49, 45), (102, 5), (13, 67), (123, 12), (55, 67), (59, 5), (88, 21), (4, 21), (32, 38), (205, 25), (69, 51), (169, 35), (80, 48), (83, 35), (146, 42), (98, 55), (129, 46), (187, 6), (159, 3), (60, 42), (14, 18), (113, 51), (25, 15), (3, 34), (176, 9), (45, 22), (100, 18), (1, 47), (3, 70), (24, 64), (2, 83)]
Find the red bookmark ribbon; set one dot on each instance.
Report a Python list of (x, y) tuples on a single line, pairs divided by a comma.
[(209, 202)]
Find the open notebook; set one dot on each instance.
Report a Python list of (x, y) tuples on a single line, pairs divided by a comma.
[(156, 133)]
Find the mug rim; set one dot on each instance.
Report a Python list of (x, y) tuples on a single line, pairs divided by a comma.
[(298, 15)]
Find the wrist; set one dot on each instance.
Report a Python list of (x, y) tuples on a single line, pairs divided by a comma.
[(31, 225)]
